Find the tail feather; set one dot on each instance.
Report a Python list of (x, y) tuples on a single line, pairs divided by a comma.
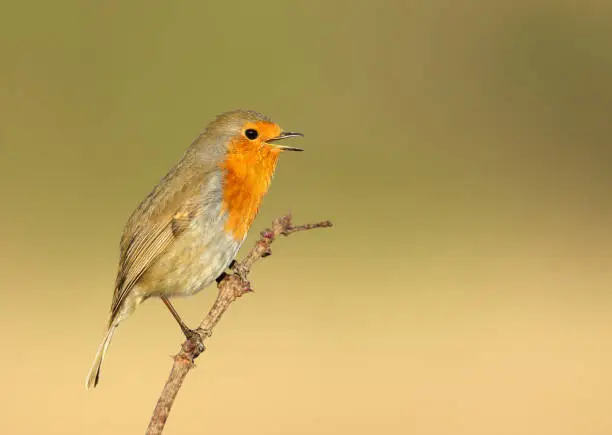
[(94, 373)]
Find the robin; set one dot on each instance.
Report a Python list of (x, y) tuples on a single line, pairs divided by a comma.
[(188, 230)]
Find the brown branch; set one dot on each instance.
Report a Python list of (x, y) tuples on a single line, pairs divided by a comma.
[(230, 288)]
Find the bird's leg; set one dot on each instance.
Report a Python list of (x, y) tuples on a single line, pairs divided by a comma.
[(189, 333), (224, 274)]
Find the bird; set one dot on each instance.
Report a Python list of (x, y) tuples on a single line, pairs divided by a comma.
[(187, 231)]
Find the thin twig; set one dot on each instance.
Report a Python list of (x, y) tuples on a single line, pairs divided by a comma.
[(230, 288)]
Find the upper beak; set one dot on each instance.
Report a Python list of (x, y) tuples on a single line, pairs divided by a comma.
[(285, 135)]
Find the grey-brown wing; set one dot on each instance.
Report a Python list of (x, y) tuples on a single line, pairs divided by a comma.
[(158, 222), (145, 248)]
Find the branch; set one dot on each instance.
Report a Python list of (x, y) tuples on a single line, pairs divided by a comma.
[(231, 287)]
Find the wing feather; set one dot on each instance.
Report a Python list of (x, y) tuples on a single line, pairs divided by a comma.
[(153, 228)]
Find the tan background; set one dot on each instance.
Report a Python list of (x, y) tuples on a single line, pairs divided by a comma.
[(461, 148)]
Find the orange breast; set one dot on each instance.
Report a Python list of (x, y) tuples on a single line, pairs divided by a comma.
[(248, 171)]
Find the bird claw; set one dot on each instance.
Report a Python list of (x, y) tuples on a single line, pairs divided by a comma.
[(192, 335), (239, 271), (221, 277), (193, 346), (224, 274)]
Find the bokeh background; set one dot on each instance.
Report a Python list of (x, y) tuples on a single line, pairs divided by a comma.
[(462, 148)]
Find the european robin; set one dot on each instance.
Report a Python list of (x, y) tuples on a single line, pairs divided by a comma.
[(188, 230)]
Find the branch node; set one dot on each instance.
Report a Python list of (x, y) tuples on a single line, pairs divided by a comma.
[(267, 234)]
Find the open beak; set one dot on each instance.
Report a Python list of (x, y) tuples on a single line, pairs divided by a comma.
[(285, 135)]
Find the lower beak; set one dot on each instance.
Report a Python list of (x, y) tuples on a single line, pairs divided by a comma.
[(285, 136)]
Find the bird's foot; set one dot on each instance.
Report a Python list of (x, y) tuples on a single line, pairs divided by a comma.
[(192, 335), (194, 344), (224, 274)]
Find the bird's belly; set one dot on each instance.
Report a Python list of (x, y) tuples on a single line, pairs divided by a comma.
[(196, 260)]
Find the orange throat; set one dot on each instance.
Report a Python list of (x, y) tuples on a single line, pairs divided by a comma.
[(247, 174)]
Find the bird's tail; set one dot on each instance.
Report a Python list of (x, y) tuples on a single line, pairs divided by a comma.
[(94, 373)]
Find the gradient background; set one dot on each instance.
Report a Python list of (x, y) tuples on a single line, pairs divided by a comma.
[(462, 149)]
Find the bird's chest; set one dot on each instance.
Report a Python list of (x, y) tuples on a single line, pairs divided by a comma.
[(245, 181), (202, 255), (203, 251)]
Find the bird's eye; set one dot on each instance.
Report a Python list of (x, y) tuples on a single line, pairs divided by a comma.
[(251, 134)]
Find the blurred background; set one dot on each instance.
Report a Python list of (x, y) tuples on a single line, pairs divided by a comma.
[(462, 150)]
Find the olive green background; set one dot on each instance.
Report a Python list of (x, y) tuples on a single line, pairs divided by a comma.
[(462, 149)]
